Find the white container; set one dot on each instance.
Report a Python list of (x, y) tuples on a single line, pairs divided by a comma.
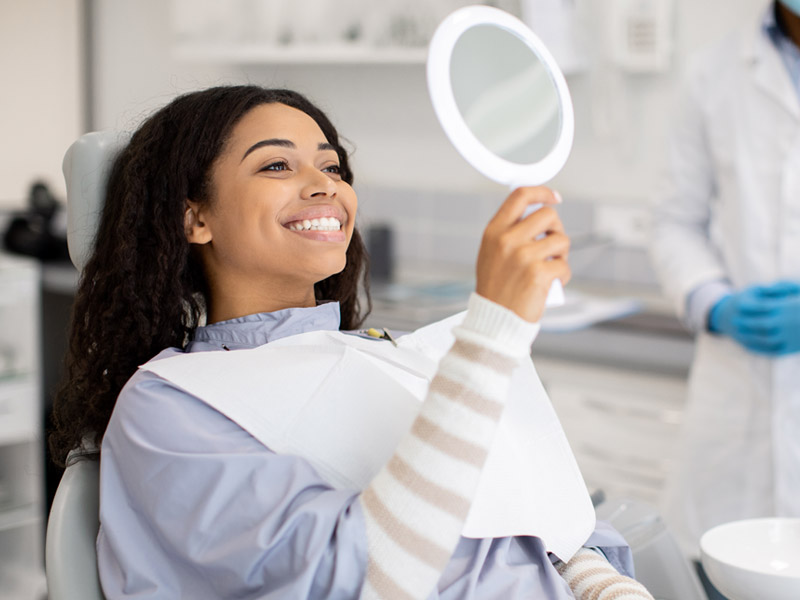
[(754, 559)]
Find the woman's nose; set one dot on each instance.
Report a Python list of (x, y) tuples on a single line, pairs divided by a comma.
[(318, 184)]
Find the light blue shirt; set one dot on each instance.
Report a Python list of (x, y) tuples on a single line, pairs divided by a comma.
[(789, 52), (703, 298), (192, 506)]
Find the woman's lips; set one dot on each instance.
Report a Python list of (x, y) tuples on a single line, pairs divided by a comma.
[(325, 229)]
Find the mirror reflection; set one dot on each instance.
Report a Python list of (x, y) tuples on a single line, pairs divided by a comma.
[(505, 94)]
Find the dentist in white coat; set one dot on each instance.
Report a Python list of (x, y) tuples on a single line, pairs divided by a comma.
[(726, 246)]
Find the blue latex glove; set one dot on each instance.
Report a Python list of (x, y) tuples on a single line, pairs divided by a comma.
[(764, 319)]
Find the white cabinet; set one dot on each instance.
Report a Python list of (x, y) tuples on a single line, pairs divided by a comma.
[(21, 436), (623, 425)]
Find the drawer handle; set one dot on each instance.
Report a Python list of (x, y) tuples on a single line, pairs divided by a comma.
[(636, 462), (661, 415)]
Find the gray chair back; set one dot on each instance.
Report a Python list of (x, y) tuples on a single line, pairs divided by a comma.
[(70, 554)]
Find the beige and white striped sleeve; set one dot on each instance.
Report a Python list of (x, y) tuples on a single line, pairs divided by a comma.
[(416, 506), (591, 577)]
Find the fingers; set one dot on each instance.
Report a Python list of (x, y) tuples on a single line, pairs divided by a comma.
[(779, 289), (538, 237), (511, 227), (514, 206), (755, 309), (554, 245), (521, 257), (759, 332), (759, 343)]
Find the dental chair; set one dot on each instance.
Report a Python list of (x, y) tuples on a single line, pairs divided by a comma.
[(71, 561), (74, 520), (70, 555)]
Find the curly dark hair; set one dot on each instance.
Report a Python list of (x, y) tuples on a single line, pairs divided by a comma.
[(142, 289)]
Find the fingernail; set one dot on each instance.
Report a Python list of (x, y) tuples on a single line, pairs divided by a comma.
[(558, 197)]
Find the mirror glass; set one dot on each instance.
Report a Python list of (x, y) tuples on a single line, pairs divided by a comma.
[(505, 94), (500, 96)]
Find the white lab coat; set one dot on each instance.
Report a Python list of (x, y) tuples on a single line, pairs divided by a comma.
[(729, 208)]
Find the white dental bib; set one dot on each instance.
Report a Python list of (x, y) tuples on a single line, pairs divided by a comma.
[(343, 403)]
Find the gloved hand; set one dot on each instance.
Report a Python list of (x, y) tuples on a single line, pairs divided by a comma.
[(764, 318)]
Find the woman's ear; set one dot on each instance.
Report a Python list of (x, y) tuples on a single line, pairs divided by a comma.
[(197, 231)]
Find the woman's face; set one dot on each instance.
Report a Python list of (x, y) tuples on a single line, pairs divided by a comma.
[(280, 217)]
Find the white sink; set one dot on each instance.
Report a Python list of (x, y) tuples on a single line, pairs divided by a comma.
[(754, 559)]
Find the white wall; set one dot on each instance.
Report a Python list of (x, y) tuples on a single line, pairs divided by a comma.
[(406, 170), (385, 109), (41, 104), (621, 118)]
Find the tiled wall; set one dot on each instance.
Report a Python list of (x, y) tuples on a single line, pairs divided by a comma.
[(429, 225), (445, 228)]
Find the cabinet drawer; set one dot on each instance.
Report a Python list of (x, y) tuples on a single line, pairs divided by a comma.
[(619, 482), (623, 426), (19, 412), (637, 428)]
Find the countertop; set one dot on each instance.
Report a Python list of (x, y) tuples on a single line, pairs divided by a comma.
[(651, 339)]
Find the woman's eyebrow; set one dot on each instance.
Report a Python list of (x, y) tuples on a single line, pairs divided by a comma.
[(284, 144), (270, 142)]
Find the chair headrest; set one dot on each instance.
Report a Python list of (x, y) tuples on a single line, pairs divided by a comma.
[(86, 167)]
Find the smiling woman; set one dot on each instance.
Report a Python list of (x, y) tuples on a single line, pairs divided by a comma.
[(296, 466), (262, 240)]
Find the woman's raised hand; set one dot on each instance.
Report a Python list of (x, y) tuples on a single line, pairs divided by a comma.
[(519, 258)]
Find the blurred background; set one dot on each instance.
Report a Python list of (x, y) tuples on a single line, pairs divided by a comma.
[(614, 359)]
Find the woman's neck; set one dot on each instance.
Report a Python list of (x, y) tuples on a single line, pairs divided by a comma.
[(227, 305)]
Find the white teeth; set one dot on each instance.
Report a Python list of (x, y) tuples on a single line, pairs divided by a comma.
[(321, 224)]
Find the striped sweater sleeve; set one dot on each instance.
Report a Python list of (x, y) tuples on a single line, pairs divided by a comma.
[(416, 506), (591, 577)]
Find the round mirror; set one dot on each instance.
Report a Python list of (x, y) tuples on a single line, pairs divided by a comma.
[(500, 97)]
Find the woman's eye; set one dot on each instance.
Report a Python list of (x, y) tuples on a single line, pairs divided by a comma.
[(280, 165), (333, 169)]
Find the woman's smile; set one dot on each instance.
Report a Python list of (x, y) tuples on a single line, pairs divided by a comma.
[(322, 223)]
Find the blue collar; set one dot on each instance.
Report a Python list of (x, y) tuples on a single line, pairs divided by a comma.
[(789, 52), (769, 25), (258, 329)]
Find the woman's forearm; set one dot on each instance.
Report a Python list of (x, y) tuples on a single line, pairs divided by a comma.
[(415, 508)]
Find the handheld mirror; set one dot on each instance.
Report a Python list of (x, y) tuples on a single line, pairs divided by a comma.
[(501, 99)]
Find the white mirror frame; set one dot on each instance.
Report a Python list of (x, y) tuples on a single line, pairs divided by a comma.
[(444, 104)]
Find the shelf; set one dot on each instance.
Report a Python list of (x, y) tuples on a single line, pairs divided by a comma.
[(264, 53)]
